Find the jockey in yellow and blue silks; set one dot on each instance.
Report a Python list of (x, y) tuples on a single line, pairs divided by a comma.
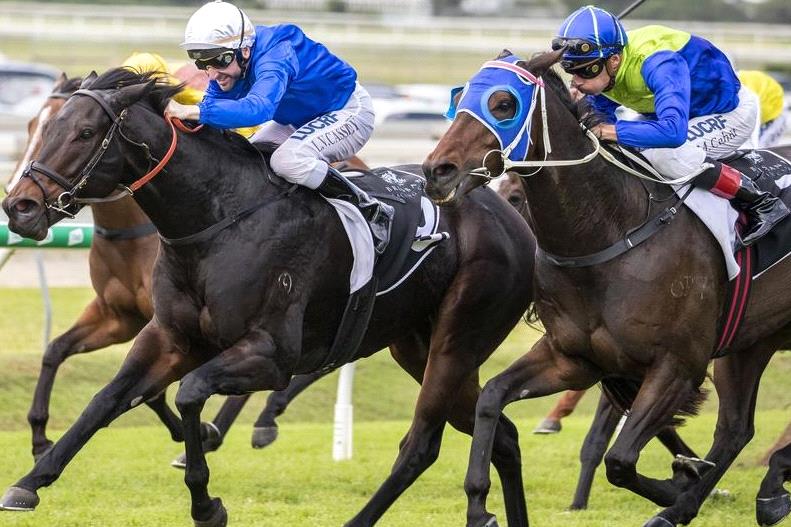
[(691, 107), (307, 100)]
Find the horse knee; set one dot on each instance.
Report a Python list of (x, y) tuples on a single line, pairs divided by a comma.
[(620, 471), (490, 401), (191, 395)]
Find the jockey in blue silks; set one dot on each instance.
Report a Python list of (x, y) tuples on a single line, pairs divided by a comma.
[(691, 108), (308, 100)]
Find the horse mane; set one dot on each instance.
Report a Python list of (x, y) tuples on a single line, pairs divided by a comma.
[(157, 99), (543, 63), (69, 84)]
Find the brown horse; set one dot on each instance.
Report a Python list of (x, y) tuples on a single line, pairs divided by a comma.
[(121, 261), (606, 418), (624, 322), (251, 285)]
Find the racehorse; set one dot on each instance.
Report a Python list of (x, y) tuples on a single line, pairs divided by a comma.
[(625, 322), (252, 279), (606, 417), (121, 260)]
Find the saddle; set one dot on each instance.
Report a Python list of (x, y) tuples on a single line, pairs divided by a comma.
[(413, 237)]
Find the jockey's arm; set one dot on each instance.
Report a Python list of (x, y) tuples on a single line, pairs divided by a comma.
[(667, 76), (273, 73)]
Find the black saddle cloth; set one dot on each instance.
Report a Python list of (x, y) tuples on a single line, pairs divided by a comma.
[(770, 172), (402, 188)]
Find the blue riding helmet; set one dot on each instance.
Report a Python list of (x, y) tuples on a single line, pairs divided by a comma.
[(590, 33)]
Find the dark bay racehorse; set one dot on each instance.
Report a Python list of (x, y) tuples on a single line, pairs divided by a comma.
[(644, 323), (606, 417), (250, 305), (121, 261)]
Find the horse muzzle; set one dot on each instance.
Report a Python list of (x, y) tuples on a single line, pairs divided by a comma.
[(26, 217)]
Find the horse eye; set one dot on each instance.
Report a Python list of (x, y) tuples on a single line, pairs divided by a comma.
[(86, 133)]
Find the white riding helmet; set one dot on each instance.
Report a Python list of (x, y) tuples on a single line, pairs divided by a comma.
[(218, 24)]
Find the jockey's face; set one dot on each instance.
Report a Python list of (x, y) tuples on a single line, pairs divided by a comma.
[(227, 77), (600, 83)]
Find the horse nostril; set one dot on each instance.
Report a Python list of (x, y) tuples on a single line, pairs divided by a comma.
[(24, 205), (444, 170)]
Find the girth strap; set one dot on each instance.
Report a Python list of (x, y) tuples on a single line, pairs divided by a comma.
[(630, 241)]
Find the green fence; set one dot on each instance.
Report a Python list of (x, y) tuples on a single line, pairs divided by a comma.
[(62, 236)]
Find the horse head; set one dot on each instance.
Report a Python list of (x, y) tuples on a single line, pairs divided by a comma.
[(493, 116), (61, 90), (82, 152)]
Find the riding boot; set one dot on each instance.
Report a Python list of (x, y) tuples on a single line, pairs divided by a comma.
[(379, 215), (763, 210)]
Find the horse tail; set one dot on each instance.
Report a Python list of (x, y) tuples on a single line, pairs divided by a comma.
[(622, 392)]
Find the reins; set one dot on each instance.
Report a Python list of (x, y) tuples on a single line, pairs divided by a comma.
[(69, 197), (633, 237)]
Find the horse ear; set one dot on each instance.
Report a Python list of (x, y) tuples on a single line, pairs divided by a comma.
[(129, 95), (88, 80), (60, 81), (540, 63), (504, 53)]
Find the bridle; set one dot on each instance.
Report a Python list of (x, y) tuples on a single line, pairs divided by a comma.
[(484, 172), (507, 164), (68, 198)]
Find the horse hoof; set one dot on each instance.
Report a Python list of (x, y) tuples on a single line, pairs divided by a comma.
[(212, 438), (264, 436), (692, 467), (180, 462), (19, 499), (218, 519), (771, 511), (658, 521)]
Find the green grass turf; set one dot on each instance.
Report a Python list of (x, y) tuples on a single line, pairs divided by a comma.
[(122, 477)]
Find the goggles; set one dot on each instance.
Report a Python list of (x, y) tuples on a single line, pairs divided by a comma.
[(586, 70), (218, 59)]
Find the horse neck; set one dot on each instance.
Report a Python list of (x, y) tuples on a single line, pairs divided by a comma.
[(120, 214), (204, 182), (578, 209)]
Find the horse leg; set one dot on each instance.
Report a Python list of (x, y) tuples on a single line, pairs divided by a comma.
[(151, 365), (265, 427), (664, 390), (449, 390), (605, 422), (540, 372), (736, 379), (249, 365), (213, 433), (96, 328)]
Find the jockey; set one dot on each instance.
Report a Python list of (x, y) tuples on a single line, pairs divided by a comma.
[(194, 81), (692, 108), (774, 121), (308, 99)]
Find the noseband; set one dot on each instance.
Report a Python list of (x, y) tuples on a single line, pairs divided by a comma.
[(67, 198)]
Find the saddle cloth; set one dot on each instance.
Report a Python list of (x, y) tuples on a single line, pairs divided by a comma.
[(414, 232), (772, 173)]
